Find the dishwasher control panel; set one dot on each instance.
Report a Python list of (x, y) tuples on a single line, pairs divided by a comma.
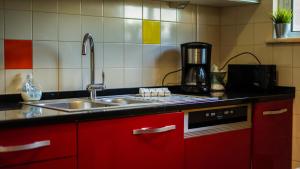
[(217, 119), (218, 116)]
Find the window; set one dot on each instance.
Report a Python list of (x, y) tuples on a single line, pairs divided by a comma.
[(296, 15)]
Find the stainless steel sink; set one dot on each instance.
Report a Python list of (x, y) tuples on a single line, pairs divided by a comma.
[(121, 101), (70, 105)]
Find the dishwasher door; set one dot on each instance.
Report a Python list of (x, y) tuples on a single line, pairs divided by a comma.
[(218, 138), (227, 150)]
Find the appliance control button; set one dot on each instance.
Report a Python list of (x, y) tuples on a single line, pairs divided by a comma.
[(231, 111), (226, 112), (212, 114), (207, 114)]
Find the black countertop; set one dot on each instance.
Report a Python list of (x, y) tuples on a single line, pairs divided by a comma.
[(14, 114)]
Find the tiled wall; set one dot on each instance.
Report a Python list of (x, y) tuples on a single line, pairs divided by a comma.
[(247, 28), (56, 27)]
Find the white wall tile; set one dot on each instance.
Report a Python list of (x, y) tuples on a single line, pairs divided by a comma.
[(283, 55), (45, 26), (151, 10), (228, 15), (69, 27), (262, 12), (245, 14), (114, 77), (133, 55), (1, 24), (18, 24), (171, 79), (167, 13), (113, 8), (113, 30), (18, 4), (86, 77), (69, 6), (47, 79), (45, 5), (296, 78), (187, 15), (132, 77), (45, 54), (209, 34), (1, 55), (151, 77), (285, 76), (1, 4), (296, 126), (133, 31), (185, 33), (169, 57), (14, 79), (70, 55), (245, 34), (70, 79), (93, 25), (92, 7), (228, 35), (296, 55), (151, 55), (133, 9), (262, 32), (2, 82), (113, 55), (98, 57), (168, 33), (208, 15), (264, 53)]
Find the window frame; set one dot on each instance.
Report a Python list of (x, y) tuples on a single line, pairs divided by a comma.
[(293, 33), (292, 24)]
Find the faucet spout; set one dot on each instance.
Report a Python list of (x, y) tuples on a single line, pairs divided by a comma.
[(92, 87)]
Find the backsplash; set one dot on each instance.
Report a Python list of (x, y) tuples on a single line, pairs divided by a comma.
[(44, 37)]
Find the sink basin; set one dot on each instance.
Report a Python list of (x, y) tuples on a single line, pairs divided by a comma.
[(71, 105), (121, 101)]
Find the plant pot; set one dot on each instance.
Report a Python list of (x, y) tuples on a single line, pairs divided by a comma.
[(282, 29)]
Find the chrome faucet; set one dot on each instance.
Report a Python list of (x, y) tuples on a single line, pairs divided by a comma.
[(92, 87)]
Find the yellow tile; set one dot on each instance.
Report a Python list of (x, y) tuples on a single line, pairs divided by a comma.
[(151, 32)]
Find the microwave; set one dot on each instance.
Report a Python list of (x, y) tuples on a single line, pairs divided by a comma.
[(251, 77)]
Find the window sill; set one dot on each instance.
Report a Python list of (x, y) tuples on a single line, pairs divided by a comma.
[(283, 40)]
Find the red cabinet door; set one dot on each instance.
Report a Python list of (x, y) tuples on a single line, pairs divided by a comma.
[(228, 150), (272, 135), (145, 142), (38, 143), (68, 163)]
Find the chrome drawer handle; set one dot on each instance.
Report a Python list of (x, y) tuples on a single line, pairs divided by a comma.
[(148, 130), (275, 112), (31, 146)]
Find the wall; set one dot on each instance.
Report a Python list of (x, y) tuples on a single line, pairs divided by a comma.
[(247, 28), (55, 28)]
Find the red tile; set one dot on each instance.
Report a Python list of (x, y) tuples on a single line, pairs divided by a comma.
[(18, 54)]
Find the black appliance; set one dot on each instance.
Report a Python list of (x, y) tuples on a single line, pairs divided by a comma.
[(251, 77), (196, 58)]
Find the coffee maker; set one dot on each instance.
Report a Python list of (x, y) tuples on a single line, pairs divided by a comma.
[(196, 58)]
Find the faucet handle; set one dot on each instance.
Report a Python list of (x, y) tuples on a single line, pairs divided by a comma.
[(103, 77)]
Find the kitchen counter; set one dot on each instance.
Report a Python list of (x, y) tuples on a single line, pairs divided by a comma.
[(13, 114)]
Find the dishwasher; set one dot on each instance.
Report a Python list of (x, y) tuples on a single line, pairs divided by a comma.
[(218, 137)]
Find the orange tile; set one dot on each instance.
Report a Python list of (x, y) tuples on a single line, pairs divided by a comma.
[(18, 54)]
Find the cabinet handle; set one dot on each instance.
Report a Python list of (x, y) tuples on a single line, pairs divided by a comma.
[(31, 146), (275, 112), (148, 130)]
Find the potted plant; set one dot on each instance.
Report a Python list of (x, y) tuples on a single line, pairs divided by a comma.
[(282, 21)]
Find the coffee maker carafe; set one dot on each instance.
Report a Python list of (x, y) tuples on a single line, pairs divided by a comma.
[(196, 67)]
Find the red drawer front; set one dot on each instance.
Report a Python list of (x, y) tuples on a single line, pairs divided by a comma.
[(228, 150), (272, 135), (67, 163), (111, 144), (62, 139)]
